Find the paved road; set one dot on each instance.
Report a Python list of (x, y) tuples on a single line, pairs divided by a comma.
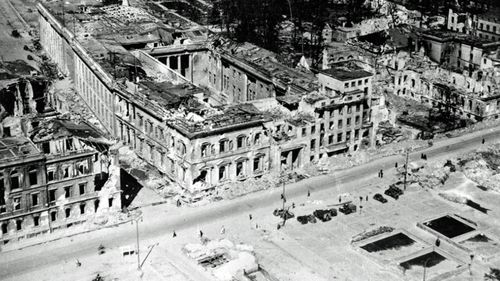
[(29, 259)]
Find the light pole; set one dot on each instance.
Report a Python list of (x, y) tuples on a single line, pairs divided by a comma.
[(425, 266), (470, 265), (136, 220), (406, 169), (290, 8), (283, 177)]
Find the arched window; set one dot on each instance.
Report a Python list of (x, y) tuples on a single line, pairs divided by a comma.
[(181, 147), (241, 141), (206, 149), (225, 145), (257, 139)]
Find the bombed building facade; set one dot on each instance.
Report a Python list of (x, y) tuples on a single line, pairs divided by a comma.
[(473, 96), (52, 182), (203, 110)]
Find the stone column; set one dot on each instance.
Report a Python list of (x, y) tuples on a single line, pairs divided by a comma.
[(190, 69)]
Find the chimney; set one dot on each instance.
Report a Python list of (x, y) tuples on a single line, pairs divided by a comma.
[(125, 3)]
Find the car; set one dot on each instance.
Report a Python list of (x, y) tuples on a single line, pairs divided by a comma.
[(322, 215), (306, 219), (379, 197), (283, 213), (347, 208), (393, 191)]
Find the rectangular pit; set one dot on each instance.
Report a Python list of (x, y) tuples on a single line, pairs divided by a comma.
[(392, 246), (449, 226), (435, 263), (393, 242), (482, 245)]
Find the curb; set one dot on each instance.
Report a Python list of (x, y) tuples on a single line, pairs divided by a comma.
[(62, 237)]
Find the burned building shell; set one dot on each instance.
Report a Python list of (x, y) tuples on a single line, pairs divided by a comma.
[(206, 120)]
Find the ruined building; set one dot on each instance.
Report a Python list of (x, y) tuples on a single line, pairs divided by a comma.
[(459, 51), (52, 182), (475, 96), (202, 110)]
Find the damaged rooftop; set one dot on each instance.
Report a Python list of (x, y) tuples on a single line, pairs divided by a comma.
[(227, 119), (14, 148), (267, 64), (345, 71)]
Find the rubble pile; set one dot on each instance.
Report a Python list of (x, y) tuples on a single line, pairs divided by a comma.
[(427, 175), (147, 175), (71, 105), (367, 234), (223, 259), (483, 167), (388, 133), (237, 189)]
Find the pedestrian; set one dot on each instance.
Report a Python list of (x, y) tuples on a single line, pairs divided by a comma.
[(78, 263), (425, 157), (282, 196), (293, 205), (396, 165), (201, 234), (483, 141), (381, 173), (222, 230), (174, 234), (256, 226), (366, 198), (421, 156), (340, 199), (438, 242), (308, 193), (178, 203), (278, 226), (250, 216)]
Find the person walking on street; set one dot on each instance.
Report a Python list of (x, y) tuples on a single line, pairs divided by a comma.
[(483, 141), (366, 198), (381, 174), (396, 165), (250, 216), (201, 234), (308, 193), (174, 234)]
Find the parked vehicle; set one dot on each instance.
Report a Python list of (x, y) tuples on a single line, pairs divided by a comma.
[(306, 219), (379, 197), (348, 208), (325, 215), (283, 213), (393, 191)]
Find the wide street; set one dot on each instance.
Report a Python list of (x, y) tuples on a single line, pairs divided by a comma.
[(169, 218)]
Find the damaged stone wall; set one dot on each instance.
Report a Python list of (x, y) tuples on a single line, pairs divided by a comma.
[(20, 100), (464, 100)]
